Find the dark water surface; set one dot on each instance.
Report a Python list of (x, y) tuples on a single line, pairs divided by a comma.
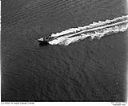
[(83, 71)]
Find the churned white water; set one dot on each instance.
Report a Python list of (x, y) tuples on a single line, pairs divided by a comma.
[(95, 30)]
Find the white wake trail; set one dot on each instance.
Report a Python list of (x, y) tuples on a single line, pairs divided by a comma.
[(93, 25), (95, 30), (96, 34)]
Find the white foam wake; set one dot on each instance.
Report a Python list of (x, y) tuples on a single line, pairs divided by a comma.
[(95, 30)]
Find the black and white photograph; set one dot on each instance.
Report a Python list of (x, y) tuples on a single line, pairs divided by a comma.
[(64, 50)]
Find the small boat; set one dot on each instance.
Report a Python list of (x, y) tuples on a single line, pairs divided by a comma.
[(45, 40)]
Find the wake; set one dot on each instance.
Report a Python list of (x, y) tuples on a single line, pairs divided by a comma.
[(95, 30)]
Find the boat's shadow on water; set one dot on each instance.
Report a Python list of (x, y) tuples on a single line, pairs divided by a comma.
[(44, 43)]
